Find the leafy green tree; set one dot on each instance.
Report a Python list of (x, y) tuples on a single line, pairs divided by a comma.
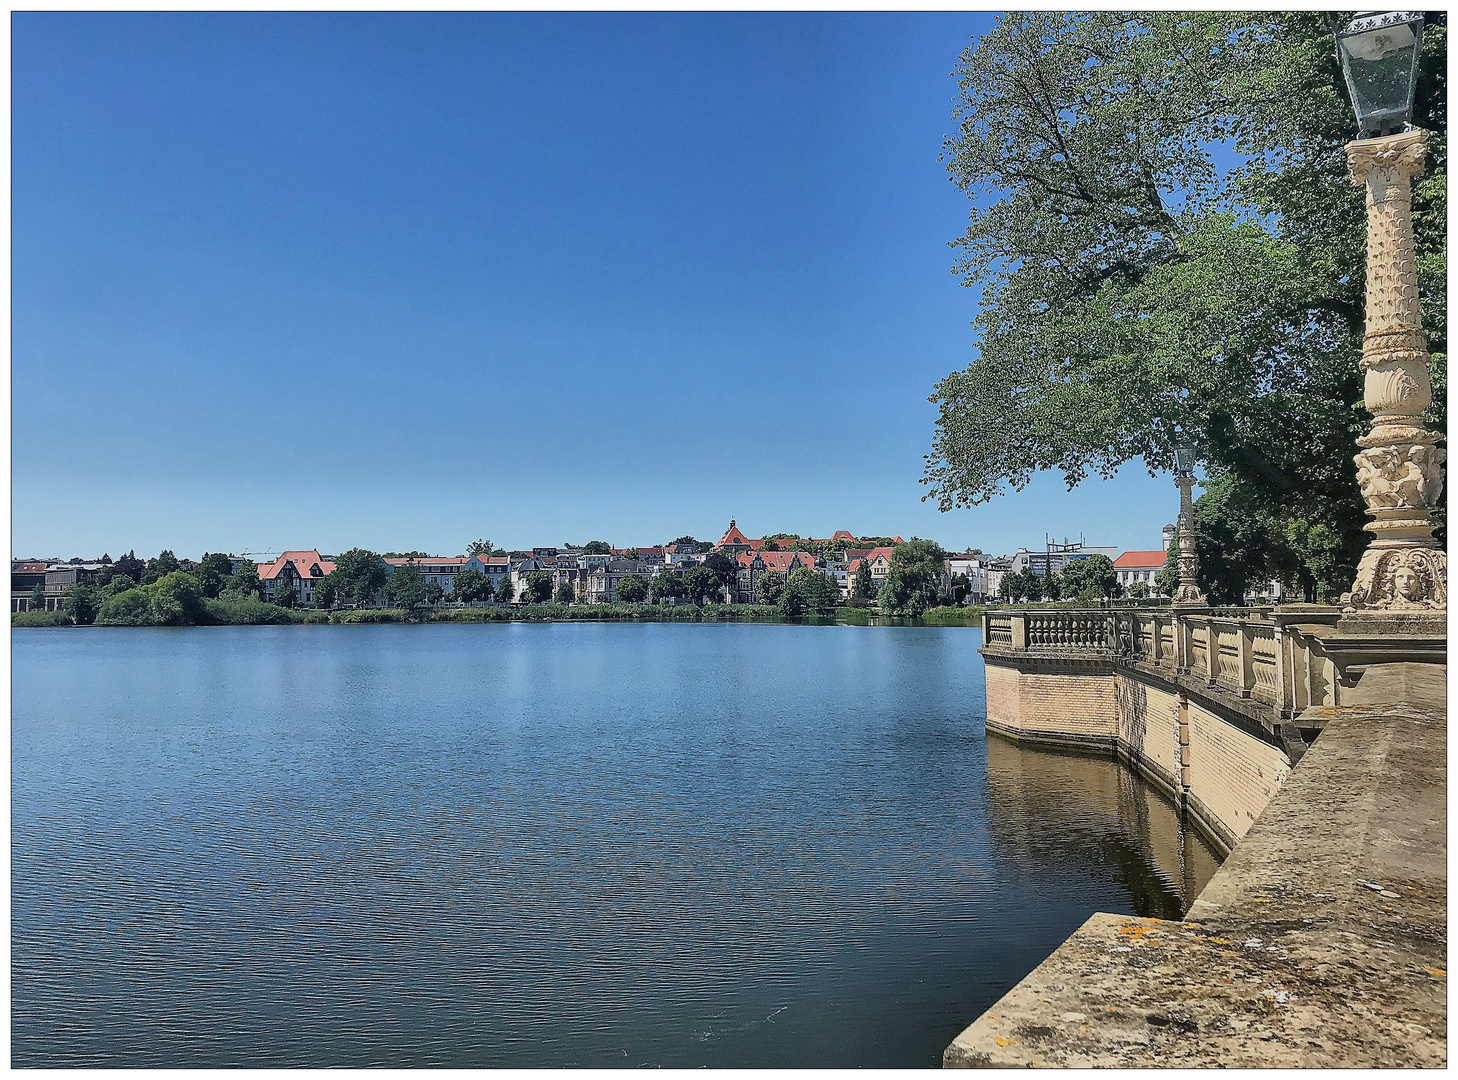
[(915, 578), (770, 585), (1054, 587), (1093, 574), (506, 589), (358, 576), (132, 607), (1167, 581), (434, 592), (632, 589), (119, 583), (176, 599), (1138, 590), (724, 568), (1032, 585), (566, 594), (286, 594), (164, 563), (597, 547), (808, 592), (1023, 585), (961, 587), (213, 574), (668, 585), (245, 581), (770, 545), (81, 602), (1240, 549), (38, 597), (326, 593), (1136, 295), (478, 547), (863, 589), (702, 585), (405, 587), (128, 565), (472, 586), (538, 587)]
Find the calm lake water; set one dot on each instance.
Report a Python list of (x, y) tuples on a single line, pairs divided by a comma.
[(516, 845)]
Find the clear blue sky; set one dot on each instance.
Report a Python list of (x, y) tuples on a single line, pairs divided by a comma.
[(400, 281)]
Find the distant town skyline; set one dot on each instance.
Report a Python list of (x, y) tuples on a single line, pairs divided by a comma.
[(399, 281)]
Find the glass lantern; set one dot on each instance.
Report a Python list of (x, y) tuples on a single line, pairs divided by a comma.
[(1379, 53)]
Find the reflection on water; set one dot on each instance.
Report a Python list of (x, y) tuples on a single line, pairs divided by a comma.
[(1063, 813), (516, 845)]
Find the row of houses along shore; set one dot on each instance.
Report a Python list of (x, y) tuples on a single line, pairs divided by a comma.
[(593, 577)]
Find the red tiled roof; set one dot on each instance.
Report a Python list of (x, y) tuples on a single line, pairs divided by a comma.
[(302, 561), (1141, 560), (841, 534), (28, 567), (780, 560), (874, 552), (854, 565), (732, 536)]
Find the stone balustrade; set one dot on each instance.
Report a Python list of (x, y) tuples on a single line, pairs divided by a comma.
[(1288, 658)]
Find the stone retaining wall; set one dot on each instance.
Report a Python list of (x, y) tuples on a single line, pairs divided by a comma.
[(1321, 941), (1211, 760)]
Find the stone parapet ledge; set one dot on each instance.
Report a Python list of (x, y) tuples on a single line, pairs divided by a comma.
[(1321, 942)]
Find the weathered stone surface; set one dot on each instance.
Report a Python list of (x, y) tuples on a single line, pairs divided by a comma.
[(1321, 941), (1424, 684)]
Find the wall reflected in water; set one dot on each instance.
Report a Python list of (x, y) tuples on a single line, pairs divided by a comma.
[(1092, 812)]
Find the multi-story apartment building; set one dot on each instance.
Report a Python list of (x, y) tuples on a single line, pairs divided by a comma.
[(753, 565), (24, 577), (599, 582), (1054, 557), (437, 569), (497, 568), (983, 579)]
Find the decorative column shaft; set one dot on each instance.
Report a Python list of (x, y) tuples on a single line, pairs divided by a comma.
[(1400, 466), (1188, 594)]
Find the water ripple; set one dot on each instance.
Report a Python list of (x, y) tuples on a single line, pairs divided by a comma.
[(516, 845)]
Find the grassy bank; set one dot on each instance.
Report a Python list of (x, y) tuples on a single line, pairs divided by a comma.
[(39, 618)]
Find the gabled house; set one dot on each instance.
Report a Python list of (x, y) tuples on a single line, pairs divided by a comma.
[(301, 569), (733, 541), (754, 565), (880, 561), (1139, 566)]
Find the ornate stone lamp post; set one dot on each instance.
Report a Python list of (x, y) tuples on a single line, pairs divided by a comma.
[(1188, 594), (1400, 466)]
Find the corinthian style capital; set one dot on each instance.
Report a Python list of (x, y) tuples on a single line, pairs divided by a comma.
[(1402, 155)]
